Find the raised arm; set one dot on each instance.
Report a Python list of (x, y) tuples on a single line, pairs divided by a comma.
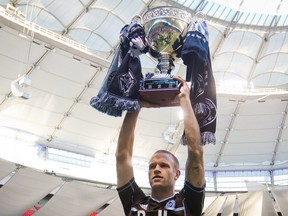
[(194, 165), (125, 149)]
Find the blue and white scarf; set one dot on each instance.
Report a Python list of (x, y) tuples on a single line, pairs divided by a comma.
[(196, 56), (120, 88)]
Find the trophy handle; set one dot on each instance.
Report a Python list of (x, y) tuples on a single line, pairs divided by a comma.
[(199, 16), (137, 19), (198, 23)]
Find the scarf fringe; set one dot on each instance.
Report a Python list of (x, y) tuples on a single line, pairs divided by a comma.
[(207, 138), (114, 105)]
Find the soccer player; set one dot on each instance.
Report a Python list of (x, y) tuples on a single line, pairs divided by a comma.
[(163, 170)]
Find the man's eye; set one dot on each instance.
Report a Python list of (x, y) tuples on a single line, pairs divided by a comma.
[(151, 166), (164, 165)]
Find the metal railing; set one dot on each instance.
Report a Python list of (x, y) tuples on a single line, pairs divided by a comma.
[(14, 15)]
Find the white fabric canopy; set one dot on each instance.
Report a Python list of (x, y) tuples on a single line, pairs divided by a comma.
[(75, 199), (6, 168), (215, 207), (24, 190), (114, 209), (281, 196), (228, 209), (255, 203)]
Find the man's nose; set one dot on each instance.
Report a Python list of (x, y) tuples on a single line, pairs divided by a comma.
[(157, 168)]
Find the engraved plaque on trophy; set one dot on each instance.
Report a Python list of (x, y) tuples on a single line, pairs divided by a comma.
[(165, 28)]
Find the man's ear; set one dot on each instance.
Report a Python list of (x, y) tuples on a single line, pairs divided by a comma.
[(177, 174)]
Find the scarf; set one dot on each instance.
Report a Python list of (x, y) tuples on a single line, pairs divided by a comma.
[(120, 88), (196, 56)]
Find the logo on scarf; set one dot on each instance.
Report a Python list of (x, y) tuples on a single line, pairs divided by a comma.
[(205, 108), (126, 82), (205, 111)]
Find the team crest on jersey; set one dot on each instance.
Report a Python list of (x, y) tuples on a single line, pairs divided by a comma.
[(170, 204), (144, 206)]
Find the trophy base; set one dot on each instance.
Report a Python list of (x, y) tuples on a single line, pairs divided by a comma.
[(161, 91)]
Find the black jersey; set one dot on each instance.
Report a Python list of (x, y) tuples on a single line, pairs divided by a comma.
[(188, 202)]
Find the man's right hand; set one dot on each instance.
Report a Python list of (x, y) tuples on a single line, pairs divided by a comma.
[(184, 88)]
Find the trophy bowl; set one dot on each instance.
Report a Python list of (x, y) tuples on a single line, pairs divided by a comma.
[(165, 28)]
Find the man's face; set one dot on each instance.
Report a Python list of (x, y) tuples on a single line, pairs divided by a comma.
[(162, 171)]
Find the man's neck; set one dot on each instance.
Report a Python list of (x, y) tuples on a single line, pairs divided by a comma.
[(160, 194)]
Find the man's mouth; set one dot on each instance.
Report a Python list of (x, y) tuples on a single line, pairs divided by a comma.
[(157, 177)]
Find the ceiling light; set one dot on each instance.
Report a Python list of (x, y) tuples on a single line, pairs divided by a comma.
[(169, 133), (22, 35), (21, 81), (76, 59), (234, 114)]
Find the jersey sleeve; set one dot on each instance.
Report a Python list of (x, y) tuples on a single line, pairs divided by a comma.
[(130, 194), (194, 198)]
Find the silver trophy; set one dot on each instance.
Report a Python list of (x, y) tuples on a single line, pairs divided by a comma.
[(165, 28)]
